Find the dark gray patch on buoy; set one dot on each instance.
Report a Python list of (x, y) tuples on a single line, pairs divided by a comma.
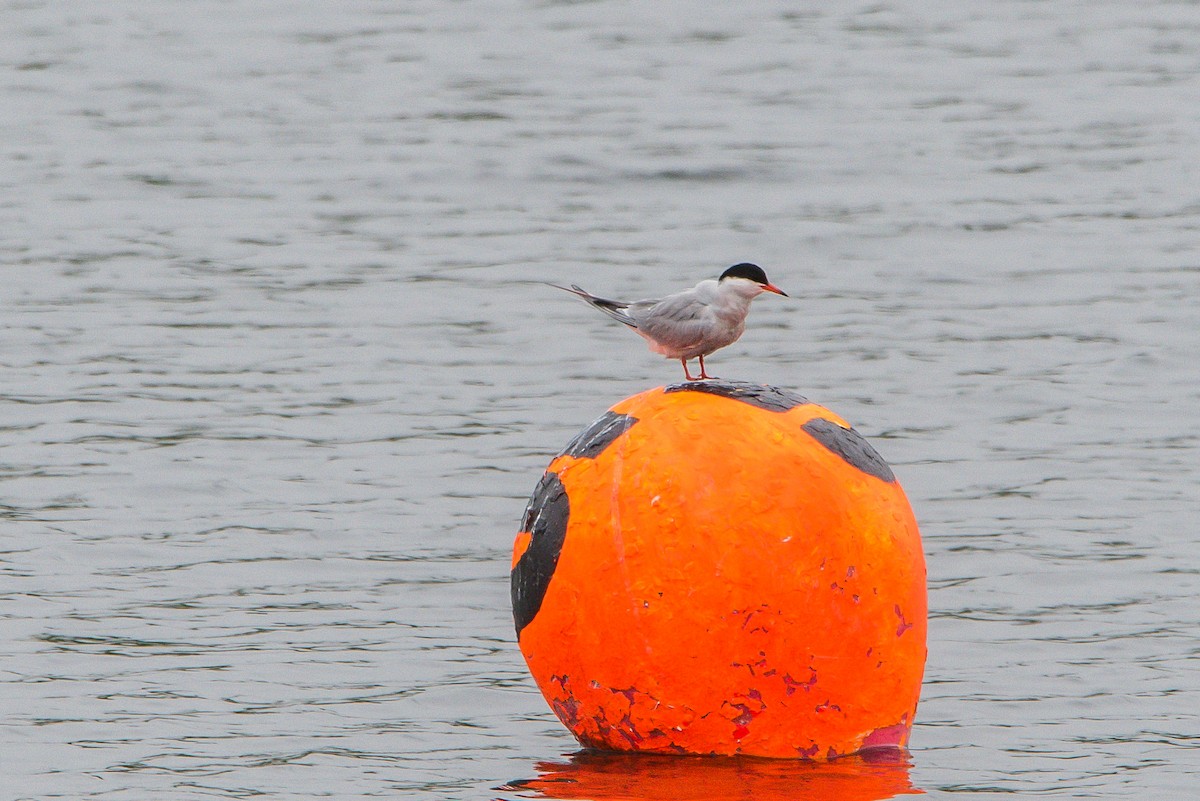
[(546, 521), (851, 446), (773, 399), (592, 441)]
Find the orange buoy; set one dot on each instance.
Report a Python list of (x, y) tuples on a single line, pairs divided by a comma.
[(723, 568)]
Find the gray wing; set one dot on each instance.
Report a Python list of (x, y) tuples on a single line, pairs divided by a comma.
[(680, 322)]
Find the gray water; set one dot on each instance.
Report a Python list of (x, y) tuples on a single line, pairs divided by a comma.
[(279, 374)]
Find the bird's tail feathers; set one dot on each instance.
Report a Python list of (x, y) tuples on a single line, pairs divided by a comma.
[(613, 308)]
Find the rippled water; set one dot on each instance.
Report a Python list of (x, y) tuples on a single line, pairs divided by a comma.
[(279, 374)]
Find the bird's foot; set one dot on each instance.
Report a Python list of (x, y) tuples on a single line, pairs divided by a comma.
[(704, 376)]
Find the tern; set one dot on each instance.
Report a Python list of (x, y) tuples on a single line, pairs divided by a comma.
[(692, 323)]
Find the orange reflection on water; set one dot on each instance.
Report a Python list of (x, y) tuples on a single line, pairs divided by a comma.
[(596, 776)]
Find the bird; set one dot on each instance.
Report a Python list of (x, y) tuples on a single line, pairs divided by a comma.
[(692, 323)]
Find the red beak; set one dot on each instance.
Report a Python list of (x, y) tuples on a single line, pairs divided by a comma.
[(775, 289)]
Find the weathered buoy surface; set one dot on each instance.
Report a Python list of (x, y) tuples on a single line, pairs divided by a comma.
[(723, 568)]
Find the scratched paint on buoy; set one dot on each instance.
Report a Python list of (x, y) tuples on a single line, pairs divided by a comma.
[(725, 568)]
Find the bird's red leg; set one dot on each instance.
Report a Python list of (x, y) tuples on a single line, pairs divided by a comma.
[(685, 370), (702, 373)]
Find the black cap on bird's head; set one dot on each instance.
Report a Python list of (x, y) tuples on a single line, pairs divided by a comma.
[(751, 272)]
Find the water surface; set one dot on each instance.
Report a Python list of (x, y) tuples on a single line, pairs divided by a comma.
[(279, 372)]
